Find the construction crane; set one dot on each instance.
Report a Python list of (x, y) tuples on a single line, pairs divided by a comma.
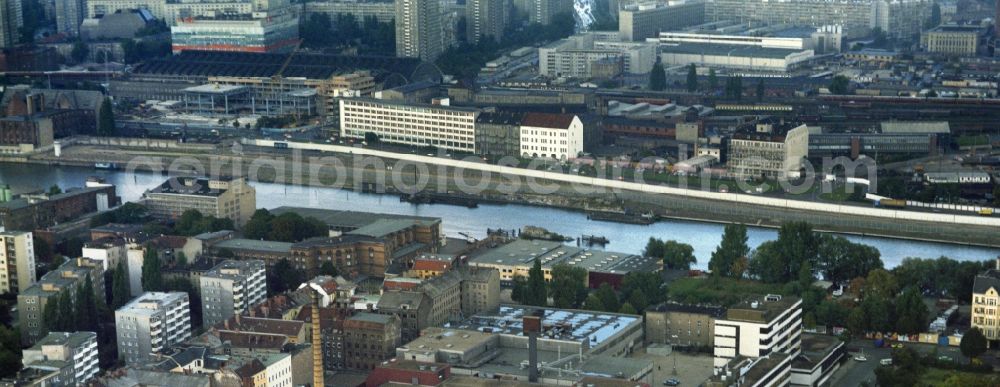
[(288, 60)]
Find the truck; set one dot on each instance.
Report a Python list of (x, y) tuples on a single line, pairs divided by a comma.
[(891, 203)]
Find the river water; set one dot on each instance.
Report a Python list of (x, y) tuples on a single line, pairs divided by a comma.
[(703, 236)]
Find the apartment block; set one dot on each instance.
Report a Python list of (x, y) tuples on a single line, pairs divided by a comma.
[(900, 19), (150, 323), (759, 327), (772, 151), (543, 11), (110, 251), (17, 261), (485, 19), (442, 126), (418, 29), (637, 22), (231, 288), (986, 303), (230, 198), (370, 339), (70, 276), (72, 354), (11, 21), (559, 136)]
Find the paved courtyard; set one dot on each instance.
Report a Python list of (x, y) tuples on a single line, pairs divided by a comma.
[(692, 370)]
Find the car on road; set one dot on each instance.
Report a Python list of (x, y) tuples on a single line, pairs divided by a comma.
[(860, 357), (671, 382)]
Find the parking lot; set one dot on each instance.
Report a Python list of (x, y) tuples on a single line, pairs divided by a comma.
[(692, 370)]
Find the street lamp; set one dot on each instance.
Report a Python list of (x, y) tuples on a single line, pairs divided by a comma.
[(673, 343)]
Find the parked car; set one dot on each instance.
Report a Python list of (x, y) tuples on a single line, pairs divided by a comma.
[(671, 382), (860, 357)]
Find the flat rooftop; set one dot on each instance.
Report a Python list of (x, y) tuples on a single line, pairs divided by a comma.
[(559, 324), (728, 50), (760, 309), (253, 244), (523, 252), (216, 89), (456, 340)]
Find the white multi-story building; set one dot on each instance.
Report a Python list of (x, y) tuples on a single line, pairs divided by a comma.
[(110, 251), (739, 40), (773, 151), (559, 136), (576, 55), (986, 303), (278, 370), (150, 323), (758, 328), (441, 126), (97, 8), (73, 355), (17, 261), (231, 288)]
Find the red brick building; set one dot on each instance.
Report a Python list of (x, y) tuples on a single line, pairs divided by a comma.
[(409, 372)]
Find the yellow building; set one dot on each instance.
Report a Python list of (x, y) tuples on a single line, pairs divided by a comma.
[(17, 261), (985, 300), (952, 40)]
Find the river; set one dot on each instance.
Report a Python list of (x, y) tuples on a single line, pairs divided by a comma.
[(703, 236)]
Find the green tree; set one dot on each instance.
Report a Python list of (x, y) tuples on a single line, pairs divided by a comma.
[(839, 85), (841, 260), (50, 314), (881, 284), (86, 307), (152, 278), (106, 120), (649, 286), (568, 286), (657, 77), (316, 31), (120, 294), (973, 343), (55, 190), (911, 312), (66, 322), (327, 268), (768, 264), (857, 321), (608, 297), (831, 313), (880, 314), (10, 351), (627, 309), (283, 277), (79, 51), (996, 193), (593, 303), (519, 289), (692, 79), (732, 247), (654, 248), (678, 255), (536, 295), (182, 260), (713, 80)]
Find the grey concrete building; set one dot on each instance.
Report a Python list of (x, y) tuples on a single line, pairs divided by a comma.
[(542, 11), (682, 324), (383, 11), (72, 355), (640, 21), (150, 323), (69, 15), (463, 291), (231, 288), (70, 277), (230, 198), (484, 18), (418, 29), (498, 134), (119, 25), (902, 18), (370, 339), (11, 21)]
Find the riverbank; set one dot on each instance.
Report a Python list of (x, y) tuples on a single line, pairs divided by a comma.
[(269, 165)]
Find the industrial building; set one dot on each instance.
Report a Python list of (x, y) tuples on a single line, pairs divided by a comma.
[(517, 257), (150, 323), (735, 57), (17, 261), (637, 22), (576, 55), (227, 198), (772, 151), (442, 126)]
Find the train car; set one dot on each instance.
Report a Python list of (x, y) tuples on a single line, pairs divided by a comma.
[(891, 203)]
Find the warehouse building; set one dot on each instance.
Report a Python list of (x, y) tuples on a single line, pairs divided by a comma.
[(576, 55), (736, 57)]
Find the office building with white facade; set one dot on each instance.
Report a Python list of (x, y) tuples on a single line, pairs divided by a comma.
[(559, 136), (150, 323), (231, 288), (576, 55), (17, 261), (773, 151), (441, 126), (758, 327), (72, 354)]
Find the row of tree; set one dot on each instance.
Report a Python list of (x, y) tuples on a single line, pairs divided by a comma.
[(319, 31), (193, 222), (568, 289)]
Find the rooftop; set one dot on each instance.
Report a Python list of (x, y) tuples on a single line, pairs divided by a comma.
[(383, 227), (74, 339), (273, 326), (348, 219), (235, 270), (548, 120), (761, 309), (710, 310), (522, 252), (187, 186), (455, 340), (816, 348), (986, 280), (729, 50), (216, 89), (253, 244), (559, 324)]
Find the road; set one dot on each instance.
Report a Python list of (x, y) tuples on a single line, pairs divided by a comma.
[(853, 373)]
